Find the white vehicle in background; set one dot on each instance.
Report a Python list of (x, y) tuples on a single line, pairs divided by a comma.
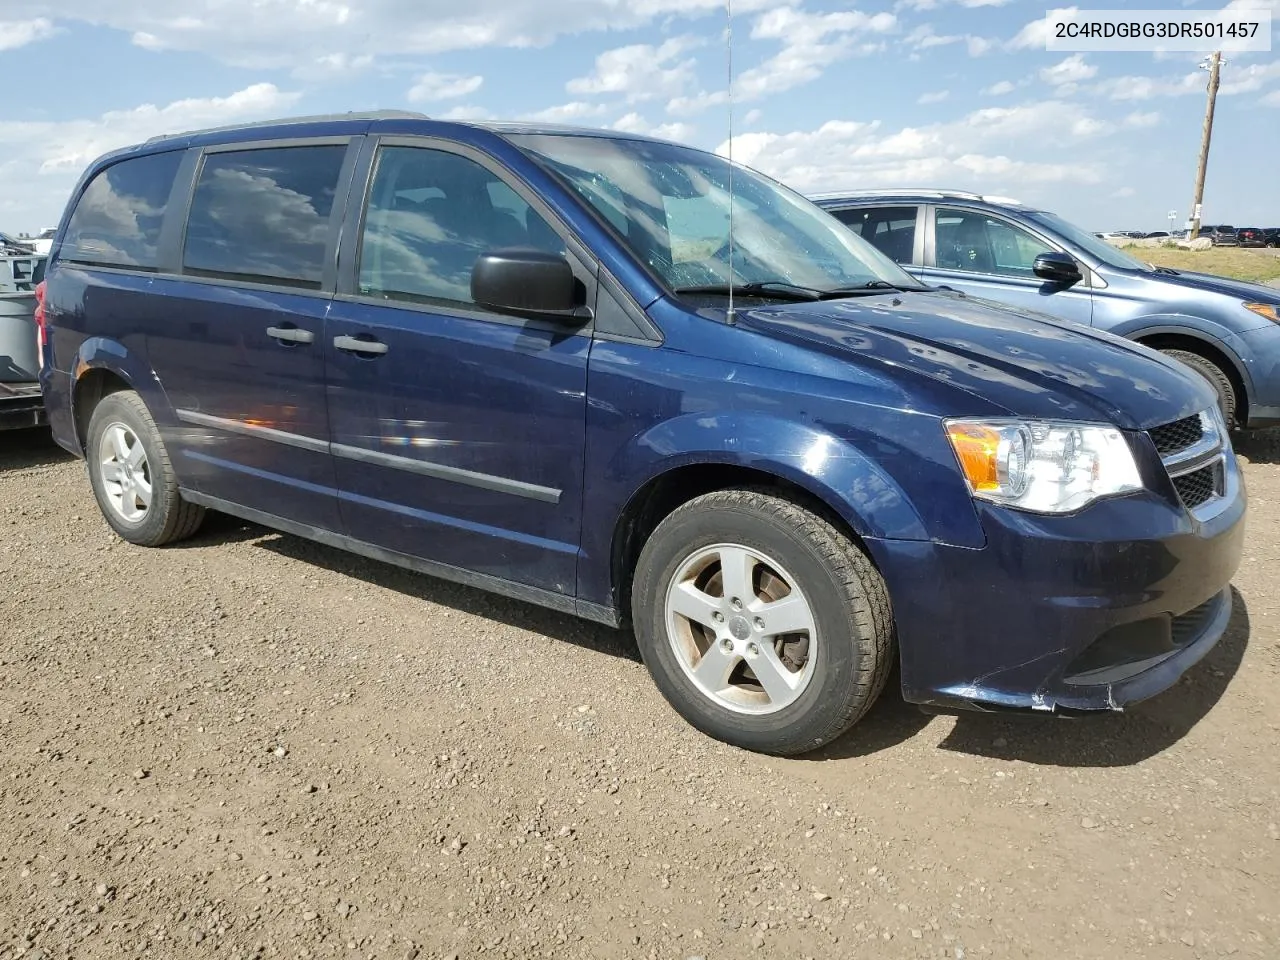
[(42, 242)]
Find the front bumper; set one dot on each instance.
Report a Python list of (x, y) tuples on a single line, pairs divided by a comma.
[(1064, 614)]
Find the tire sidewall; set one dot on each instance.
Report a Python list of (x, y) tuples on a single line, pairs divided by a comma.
[(1228, 402), (116, 408), (835, 652)]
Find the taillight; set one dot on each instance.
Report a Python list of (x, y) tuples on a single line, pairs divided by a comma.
[(41, 321)]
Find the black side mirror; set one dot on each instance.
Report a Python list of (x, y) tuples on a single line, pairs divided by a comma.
[(528, 283), (1057, 268)]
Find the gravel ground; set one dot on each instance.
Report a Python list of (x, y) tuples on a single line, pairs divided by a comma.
[(250, 746)]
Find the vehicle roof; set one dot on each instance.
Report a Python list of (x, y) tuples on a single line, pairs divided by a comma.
[(919, 194), (402, 122)]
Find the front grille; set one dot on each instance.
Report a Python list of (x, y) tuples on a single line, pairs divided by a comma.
[(1177, 436), (1198, 487)]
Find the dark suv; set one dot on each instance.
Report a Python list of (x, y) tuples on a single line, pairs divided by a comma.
[(1228, 331), (535, 360), (1251, 237)]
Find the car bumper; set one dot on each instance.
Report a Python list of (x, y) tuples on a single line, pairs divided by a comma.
[(1070, 614)]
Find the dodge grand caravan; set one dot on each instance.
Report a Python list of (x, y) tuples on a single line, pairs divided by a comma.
[(548, 363)]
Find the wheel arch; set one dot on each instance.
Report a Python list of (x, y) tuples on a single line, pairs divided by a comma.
[(677, 483), (1211, 349), (103, 367)]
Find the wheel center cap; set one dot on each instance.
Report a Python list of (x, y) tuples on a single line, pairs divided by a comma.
[(740, 628)]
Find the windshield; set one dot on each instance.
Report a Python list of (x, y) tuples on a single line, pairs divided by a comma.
[(670, 205), (1108, 254)]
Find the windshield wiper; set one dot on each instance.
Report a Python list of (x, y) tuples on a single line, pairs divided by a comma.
[(870, 287), (1166, 270), (759, 288)]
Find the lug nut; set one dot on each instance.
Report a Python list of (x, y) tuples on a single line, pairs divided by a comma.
[(735, 603), (718, 617), (759, 623), (752, 650), (726, 645)]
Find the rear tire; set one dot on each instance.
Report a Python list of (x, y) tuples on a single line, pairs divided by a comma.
[(1217, 378), (132, 477), (760, 622)]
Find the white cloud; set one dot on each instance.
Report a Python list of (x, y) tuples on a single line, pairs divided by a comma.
[(993, 149), (19, 33), (431, 87), (934, 4), (810, 43), (292, 33), (567, 112), (924, 37), (1248, 78), (1124, 192), (634, 123), (640, 71), (936, 96), (466, 111), (1272, 99), (1035, 35), (1000, 88), (333, 66), (47, 157), (1142, 121), (1073, 69)]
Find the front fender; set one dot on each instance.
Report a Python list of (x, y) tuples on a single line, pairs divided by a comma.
[(1216, 335), (832, 469)]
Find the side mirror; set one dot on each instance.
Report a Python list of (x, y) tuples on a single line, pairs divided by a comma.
[(1057, 268), (526, 282)]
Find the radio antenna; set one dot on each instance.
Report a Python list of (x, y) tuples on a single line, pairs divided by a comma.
[(731, 317)]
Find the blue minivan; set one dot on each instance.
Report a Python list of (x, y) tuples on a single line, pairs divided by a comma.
[(564, 366), (1228, 331)]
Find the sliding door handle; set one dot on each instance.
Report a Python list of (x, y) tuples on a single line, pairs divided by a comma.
[(290, 335), (354, 345)]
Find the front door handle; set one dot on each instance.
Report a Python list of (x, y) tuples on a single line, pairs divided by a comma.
[(359, 346), (290, 335)]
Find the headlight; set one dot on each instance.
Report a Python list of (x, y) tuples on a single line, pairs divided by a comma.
[(1268, 310), (1043, 466)]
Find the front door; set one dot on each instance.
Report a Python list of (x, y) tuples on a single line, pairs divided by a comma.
[(241, 350), (458, 434), (990, 257)]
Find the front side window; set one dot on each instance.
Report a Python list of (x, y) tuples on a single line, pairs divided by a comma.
[(118, 219), (670, 205), (891, 230), (431, 215), (263, 215), (967, 240)]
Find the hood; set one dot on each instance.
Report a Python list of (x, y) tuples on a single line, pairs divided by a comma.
[(1037, 368), (1236, 289)]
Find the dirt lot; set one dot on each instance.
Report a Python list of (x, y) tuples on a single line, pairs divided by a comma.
[(250, 746)]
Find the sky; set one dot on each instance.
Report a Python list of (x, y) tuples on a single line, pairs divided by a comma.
[(958, 94)]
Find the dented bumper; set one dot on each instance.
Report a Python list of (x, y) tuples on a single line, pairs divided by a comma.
[(1064, 614)]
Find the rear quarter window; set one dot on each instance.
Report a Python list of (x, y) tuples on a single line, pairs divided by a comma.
[(118, 218)]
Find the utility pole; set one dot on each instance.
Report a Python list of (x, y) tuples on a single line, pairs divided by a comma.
[(1214, 67)]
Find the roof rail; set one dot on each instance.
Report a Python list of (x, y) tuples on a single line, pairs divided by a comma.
[(912, 192), (285, 121)]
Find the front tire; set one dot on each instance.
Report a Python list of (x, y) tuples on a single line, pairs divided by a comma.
[(1217, 378), (132, 476), (761, 623)]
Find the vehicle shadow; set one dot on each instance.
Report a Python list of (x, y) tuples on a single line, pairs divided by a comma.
[(220, 528), (1107, 740), (33, 447), (1259, 446)]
